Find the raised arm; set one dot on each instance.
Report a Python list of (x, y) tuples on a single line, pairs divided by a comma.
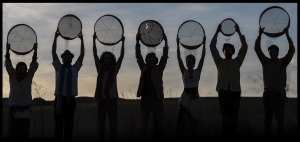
[(243, 51), (80, 58), (138, 55), (200, 64), (164, 57), (213, 46), (7, 55), (34, 57), (96, 58), (33, 65), (257, 47), (54, 55), (289, 55), (120, 59), (181, 65), (8, 65)]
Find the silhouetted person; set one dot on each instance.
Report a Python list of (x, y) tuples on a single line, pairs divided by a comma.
[(106, 93), (274, 78), (151, 88), (66, 76), (189, 122), (228, 85), (20, 98)]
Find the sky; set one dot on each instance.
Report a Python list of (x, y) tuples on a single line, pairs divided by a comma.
[(44, 18)]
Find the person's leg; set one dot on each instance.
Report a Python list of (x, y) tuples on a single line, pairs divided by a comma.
[(279, 112), (113, 119), (223, 102), (233, 112), (193, 127), (157, 118), (12, 126), (101, 119), (181, 122), (24, 127), (145, 115), (268, 108), (58, 123), (19, 128), (69, 119)]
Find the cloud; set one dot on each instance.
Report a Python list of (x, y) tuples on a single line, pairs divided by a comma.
[(44, 18)]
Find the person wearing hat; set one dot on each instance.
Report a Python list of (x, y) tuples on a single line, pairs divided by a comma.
[(66, 89), (228, 84), (20, 98), (274, 78)]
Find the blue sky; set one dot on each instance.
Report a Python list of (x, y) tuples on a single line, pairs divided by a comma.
[(44, 18)]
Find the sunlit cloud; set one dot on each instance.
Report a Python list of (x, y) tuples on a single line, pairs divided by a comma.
[(44, 17)]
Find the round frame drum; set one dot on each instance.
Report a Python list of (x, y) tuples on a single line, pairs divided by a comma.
[(228, 27), (151, 33), (274, 19), (69, 26), (109, 29), (191, 34), (21, 38)]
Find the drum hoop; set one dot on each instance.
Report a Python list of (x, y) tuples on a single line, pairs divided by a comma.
[(16, 52), (110, 44)]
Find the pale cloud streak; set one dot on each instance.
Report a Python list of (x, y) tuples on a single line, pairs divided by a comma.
[(44, 17)]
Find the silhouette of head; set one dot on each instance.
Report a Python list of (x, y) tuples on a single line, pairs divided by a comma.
[(107, 58), (21, 68), (273, 51), (151, 59), (228, 50), (67, 57), (190, 60)]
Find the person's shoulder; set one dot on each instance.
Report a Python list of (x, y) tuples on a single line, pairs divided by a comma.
[(281, 59), (156, 66), (77, 63), (56, 61), (116, 66), (222, 59)]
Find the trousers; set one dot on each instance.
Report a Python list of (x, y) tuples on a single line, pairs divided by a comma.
[(229, 106), (274, 103), (151, 104), (18, 127), (110, 108), (63, 123)]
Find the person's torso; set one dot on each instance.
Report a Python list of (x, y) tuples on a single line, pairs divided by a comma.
[(274, 74), (74, 87), (113, 89), (156, 78), (20, 91), (191, 82), (148, 87), (229, 74)]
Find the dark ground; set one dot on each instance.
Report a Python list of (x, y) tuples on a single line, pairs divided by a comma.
[(250, 123)]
